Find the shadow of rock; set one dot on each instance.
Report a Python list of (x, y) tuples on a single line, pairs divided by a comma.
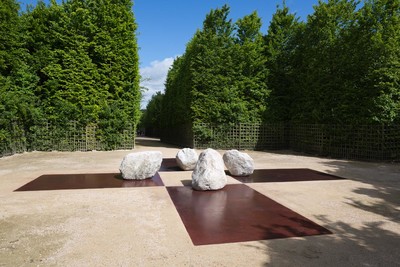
[(186, 182)]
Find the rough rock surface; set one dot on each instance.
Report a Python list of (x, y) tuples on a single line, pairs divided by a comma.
[(140, 165), (186, 159), (209, 172), (238, 163)]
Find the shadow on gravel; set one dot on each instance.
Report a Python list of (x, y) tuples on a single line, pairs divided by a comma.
[(369, 245), (382, 186), (371, 240), (152, 142)]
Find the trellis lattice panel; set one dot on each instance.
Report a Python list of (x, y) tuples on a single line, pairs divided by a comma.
[(241, 136), (70, 137)]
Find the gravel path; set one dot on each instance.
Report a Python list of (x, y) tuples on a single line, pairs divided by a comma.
[(141, 227)]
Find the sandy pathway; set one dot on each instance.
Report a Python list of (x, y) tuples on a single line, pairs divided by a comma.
[(141, 227)]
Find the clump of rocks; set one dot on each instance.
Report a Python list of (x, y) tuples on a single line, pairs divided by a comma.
[(208, 168)]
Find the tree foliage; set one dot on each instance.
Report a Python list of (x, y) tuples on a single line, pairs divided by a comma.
[(72, 61), (378, 40), (18, 104), (78, 60), (280, 47), (340, 67), (221, 78), (151, 118)]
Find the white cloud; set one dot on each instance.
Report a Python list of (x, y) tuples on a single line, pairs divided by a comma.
[(154, 77)]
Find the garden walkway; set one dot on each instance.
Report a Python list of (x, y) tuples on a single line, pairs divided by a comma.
[(140, 226)]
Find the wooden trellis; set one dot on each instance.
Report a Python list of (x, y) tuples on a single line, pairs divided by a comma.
[(366, 142), (251, 136), (71, 137)]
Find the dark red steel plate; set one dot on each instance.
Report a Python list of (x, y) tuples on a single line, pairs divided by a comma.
[(285, 175), (237, 213), (169, 165), (85, 181)]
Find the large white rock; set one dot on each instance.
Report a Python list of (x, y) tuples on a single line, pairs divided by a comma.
[(209, 172), (140, 165), (186, 159), (238, 163)]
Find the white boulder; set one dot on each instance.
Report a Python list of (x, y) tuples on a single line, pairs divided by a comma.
[(209, 173), (186, 159), (140, 165), (238, 163)]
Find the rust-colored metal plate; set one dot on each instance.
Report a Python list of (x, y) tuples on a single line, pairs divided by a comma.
[(237, 213), (85, 181), (169, 165), (285, 175)]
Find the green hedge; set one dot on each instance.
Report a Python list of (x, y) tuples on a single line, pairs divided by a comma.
[(70, 137)]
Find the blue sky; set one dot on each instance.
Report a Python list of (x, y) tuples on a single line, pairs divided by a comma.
[(166, 26)]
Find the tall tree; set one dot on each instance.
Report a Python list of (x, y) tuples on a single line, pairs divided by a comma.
[(18, 109), (350, 63), (86, 56), (228, 70), (251, 72), (114, 51), (376, 53), (9, 22), (221, 78), (151, 118), (281, 42), (177, 99), (321, 72), (215, 100)]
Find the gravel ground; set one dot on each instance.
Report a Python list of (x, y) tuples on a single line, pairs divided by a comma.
[(141, 227)]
